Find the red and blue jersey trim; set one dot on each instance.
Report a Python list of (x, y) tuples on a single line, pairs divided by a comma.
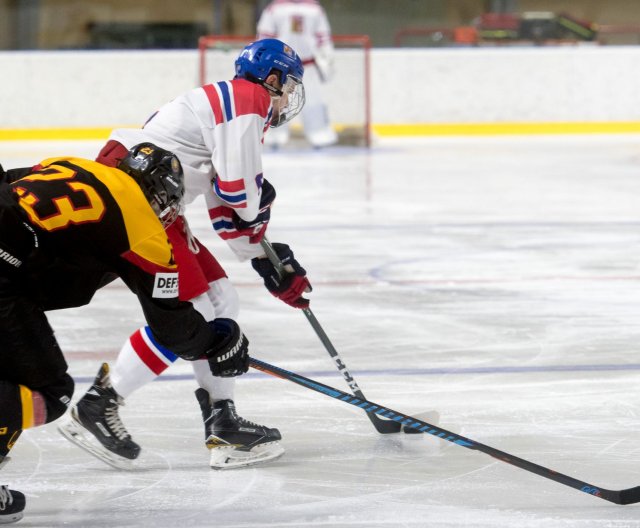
[(214, 101), (231, 99), (226, 100), (222, 222), (233, 192)]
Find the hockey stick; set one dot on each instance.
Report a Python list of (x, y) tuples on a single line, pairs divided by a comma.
[(382, 426), (626, 496)]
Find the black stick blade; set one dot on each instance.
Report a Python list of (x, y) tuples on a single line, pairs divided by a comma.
[(630, 496), (384, 426)]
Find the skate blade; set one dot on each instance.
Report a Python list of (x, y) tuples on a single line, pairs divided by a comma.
[(14, 517), (76, 434), (228, 457)]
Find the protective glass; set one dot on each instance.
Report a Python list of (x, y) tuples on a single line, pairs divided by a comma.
[(290, 103)]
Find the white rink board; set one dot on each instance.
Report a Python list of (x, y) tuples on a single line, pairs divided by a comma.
[(408, 86)]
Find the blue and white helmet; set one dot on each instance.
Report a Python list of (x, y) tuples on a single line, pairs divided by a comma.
[(258, 59), (264, 57)]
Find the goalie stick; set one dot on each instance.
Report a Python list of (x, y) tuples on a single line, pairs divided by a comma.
[(382, 426), (626, 496)]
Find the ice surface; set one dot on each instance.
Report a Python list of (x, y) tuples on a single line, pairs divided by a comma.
[(495, 280)]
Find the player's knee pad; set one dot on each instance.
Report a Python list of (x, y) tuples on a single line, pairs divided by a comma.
[(57, 397), (10, 414), (20, 408), (24, 407), (224, 298)]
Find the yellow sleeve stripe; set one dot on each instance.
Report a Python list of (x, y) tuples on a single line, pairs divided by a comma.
[(26, 397), (146, 235)]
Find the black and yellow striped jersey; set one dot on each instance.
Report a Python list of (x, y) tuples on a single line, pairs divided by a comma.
[(75, 200), (83, 225)]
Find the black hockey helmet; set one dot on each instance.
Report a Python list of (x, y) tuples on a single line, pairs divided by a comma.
[(160, 176)]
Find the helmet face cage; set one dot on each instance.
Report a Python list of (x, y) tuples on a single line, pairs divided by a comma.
[(290, 103), (160, 176), (163, 200)]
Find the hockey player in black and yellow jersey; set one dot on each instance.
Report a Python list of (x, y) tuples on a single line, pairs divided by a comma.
[(68, 227)]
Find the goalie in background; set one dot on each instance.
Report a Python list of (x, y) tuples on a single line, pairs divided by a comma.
[(303, 24), (68, 227)]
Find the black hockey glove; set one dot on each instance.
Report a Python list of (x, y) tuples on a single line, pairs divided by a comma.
[(290, 288), (229, 355), (256, 228)]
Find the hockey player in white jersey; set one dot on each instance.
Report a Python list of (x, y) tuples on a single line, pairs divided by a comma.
[(303, 24), (217, 132)]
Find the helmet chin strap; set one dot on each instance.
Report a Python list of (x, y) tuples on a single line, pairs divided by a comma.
[(272, 89), (281, 119)]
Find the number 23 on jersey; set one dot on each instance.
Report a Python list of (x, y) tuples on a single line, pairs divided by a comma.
[(70, 202)]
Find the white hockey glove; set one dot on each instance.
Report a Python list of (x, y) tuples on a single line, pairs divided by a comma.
[(324, 63)]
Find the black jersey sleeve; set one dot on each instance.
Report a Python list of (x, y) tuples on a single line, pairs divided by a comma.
[(176, 324), (17, 240)]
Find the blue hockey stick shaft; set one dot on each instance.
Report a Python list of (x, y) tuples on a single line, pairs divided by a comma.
[(626, 496), (382, 426)]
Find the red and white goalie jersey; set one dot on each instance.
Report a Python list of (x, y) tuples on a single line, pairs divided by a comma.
[(217, 133), (302, 24)]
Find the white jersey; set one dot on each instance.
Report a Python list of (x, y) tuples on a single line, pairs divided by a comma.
[(302, 24), (216, 132)]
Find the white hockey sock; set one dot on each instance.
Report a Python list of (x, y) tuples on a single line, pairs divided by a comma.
[(224, 298), (140, 361), (221, 300), (218, 388)]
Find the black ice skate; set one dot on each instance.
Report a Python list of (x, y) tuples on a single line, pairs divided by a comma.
[(233, 441), (12, 505), (94, 424)]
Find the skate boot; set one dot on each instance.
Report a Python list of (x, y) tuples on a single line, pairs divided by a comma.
[(233, 441), (12, 502), (12, 505), (95, 426)]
